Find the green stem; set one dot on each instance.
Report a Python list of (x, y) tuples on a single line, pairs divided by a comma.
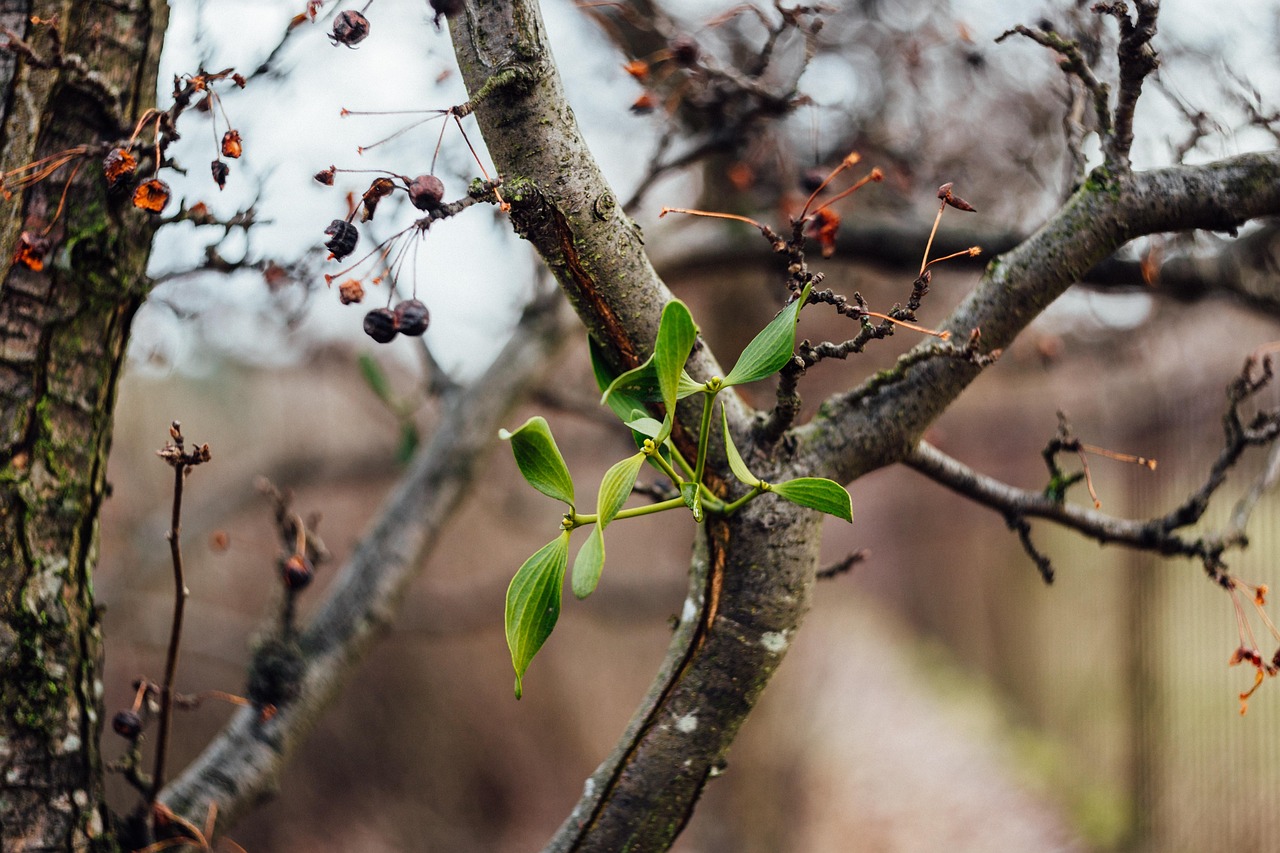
[(633, 512), (704, 434), (733, 506), (657, 459)]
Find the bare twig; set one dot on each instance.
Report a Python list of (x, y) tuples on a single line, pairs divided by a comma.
[(182, 461), (1157, 534)]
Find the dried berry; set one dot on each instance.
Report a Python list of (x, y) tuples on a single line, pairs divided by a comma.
[(127, 724), (446, 8), (220, 171), (349, 28), (152, 194), (378, 190), (380, 324), (342, 238), (811, 179), (296, 572), (118, 164), (426, 192), (350, 291), (232, 145), (684, 50), (325, 176), (412, 318)]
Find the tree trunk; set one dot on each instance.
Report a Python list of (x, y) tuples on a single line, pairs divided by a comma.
[(64, 328)]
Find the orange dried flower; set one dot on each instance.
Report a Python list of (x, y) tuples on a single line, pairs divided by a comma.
[(118, 164), (231, 144), (824, 225), (152, 195), (31, 250), (644, 104), (637, 68)]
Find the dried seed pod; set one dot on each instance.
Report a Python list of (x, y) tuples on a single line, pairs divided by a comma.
[(325, 176), (343, 237), (412, 318), (296, 572), (349, 28), (426, 192), (119, 163), (152, 194), (232, 144), (127, 724), (380, 324), (220, 171), (350, 291)]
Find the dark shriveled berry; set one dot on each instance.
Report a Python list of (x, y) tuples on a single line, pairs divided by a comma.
[(412, 318), (380, 324), (684, 50), (448, 8), (342, 238), (349, 28), (296, 572), (426, 192), (127, 724)]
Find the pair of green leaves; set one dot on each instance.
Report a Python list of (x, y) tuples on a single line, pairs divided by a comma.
[(533, 598)]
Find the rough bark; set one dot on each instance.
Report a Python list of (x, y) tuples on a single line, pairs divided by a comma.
[(62, 338)]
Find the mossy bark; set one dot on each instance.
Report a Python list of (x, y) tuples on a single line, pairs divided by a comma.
[(63, 330)]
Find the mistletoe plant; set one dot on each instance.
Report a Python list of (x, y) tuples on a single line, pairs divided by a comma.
[(533, 598)]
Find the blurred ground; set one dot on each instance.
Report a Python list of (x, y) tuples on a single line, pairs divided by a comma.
[(939, 698)]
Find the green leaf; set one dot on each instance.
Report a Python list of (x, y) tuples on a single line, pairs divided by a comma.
[(589, 563), (623, 404), (646, 426), (817, 493), (688, 386), (615, 488), (409, 442), (676, 335), (533, 603), (692, 499), (631, 391), (376, 379), (736, 463), (640, 383), (769, 350), (540, 460)]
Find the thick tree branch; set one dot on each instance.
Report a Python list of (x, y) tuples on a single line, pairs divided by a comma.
[(751, 580), (242, 765), (881, 422)]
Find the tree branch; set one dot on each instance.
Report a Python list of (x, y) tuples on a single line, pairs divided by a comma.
[(881, 422), (1156, 534), (242, 765)]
